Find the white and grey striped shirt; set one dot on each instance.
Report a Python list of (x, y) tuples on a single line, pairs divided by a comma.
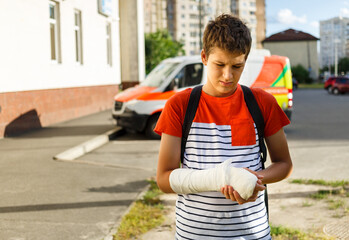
[(209, 215)]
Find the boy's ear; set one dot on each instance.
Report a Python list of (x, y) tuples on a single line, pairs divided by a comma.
[(203, 57)]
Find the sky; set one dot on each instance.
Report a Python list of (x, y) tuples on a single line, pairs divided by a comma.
[(302, 15)]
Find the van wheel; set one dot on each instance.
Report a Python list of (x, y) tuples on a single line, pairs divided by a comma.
[(149, 129), (335, 91)]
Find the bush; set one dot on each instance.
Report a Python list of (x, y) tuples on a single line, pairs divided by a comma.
[(301, 74)]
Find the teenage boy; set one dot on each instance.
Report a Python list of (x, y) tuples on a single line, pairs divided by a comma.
[(222, 147)]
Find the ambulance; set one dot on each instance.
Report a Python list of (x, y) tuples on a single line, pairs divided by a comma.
[(138, 108)]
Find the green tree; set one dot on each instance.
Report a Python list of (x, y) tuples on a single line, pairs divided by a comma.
[(159, 46), (301, 74), (343, 65)]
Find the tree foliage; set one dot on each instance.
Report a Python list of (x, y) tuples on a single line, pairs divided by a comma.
[(301, 74), (343, 66), (159, 46)]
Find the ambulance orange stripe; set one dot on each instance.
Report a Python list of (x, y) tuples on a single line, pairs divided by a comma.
[(133, 93), (156, 96), (270, 71)]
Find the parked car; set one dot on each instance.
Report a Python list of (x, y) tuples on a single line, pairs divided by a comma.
[(340, 85), (329, 82), (328, 85), (294, 83)]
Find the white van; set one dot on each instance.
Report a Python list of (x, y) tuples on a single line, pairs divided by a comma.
[(138, 108)]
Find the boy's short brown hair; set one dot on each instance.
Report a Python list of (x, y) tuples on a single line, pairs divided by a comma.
[(228, 33)]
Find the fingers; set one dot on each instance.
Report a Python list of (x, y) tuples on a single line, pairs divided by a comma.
[(227, 191), (238, 198), (233, 195), (259, 187)]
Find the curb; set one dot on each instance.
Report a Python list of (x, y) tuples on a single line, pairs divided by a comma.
[(88, 146)]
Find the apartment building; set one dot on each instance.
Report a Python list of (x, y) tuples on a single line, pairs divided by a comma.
[(155, 15), (334, 39), (62, 59), (186, 19), (253, 13)]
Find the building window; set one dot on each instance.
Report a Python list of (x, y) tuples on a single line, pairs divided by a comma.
[(109, 41), (54, 31), (78, 36)]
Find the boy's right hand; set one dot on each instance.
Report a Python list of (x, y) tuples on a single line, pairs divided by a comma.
[(230, 193)]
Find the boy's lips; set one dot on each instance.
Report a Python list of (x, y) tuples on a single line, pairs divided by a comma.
[(226, 83)]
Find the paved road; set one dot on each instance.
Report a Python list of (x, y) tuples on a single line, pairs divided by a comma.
[(319, 135), (319, 116)]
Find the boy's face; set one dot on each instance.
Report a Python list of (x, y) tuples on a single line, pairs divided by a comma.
[(224, 69)]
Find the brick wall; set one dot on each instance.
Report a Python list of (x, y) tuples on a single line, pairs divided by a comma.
[(21, 111)]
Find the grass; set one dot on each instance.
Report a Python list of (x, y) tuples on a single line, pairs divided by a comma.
[(307, 204), (321, 194), (335, 197), (335, 204), (284, 233), (321, 182), (145, 214)]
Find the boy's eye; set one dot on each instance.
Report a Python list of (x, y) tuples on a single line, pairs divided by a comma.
[(237, 67), (220, 65)]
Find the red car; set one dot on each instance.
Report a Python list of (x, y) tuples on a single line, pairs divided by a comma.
[(328, 84), (340, 85)]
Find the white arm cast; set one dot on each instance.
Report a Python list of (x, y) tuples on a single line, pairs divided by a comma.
[(186, 181)]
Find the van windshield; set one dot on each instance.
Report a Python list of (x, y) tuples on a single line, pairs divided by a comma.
[(156, 77)]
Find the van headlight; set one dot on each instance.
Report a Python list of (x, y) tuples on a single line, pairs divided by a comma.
[(132, 104)]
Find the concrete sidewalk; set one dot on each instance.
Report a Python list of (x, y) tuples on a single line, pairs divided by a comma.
[(42, 198)]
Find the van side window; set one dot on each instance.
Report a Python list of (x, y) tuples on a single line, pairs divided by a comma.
[(190, 75)]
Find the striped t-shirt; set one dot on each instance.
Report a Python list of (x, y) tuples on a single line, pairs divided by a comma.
[(222, 129)]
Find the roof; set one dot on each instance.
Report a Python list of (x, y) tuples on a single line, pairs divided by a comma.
[(290, 35)]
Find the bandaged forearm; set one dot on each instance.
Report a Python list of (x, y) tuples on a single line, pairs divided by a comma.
[(186, 181)]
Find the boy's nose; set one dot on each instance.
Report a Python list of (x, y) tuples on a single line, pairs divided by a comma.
[(228, 74)]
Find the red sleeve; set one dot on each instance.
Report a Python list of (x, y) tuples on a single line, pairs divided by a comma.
[(172, 116), (274, 116)]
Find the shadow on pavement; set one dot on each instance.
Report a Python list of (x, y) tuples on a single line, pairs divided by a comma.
[(136, 186), (290, 195), (25, 122), (62, 131), (62, 206)]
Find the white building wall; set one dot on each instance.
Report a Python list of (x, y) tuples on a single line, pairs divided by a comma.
[(25, 60), (140, 35)]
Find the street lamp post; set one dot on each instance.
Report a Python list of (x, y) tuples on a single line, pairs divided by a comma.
[(336, 41)]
